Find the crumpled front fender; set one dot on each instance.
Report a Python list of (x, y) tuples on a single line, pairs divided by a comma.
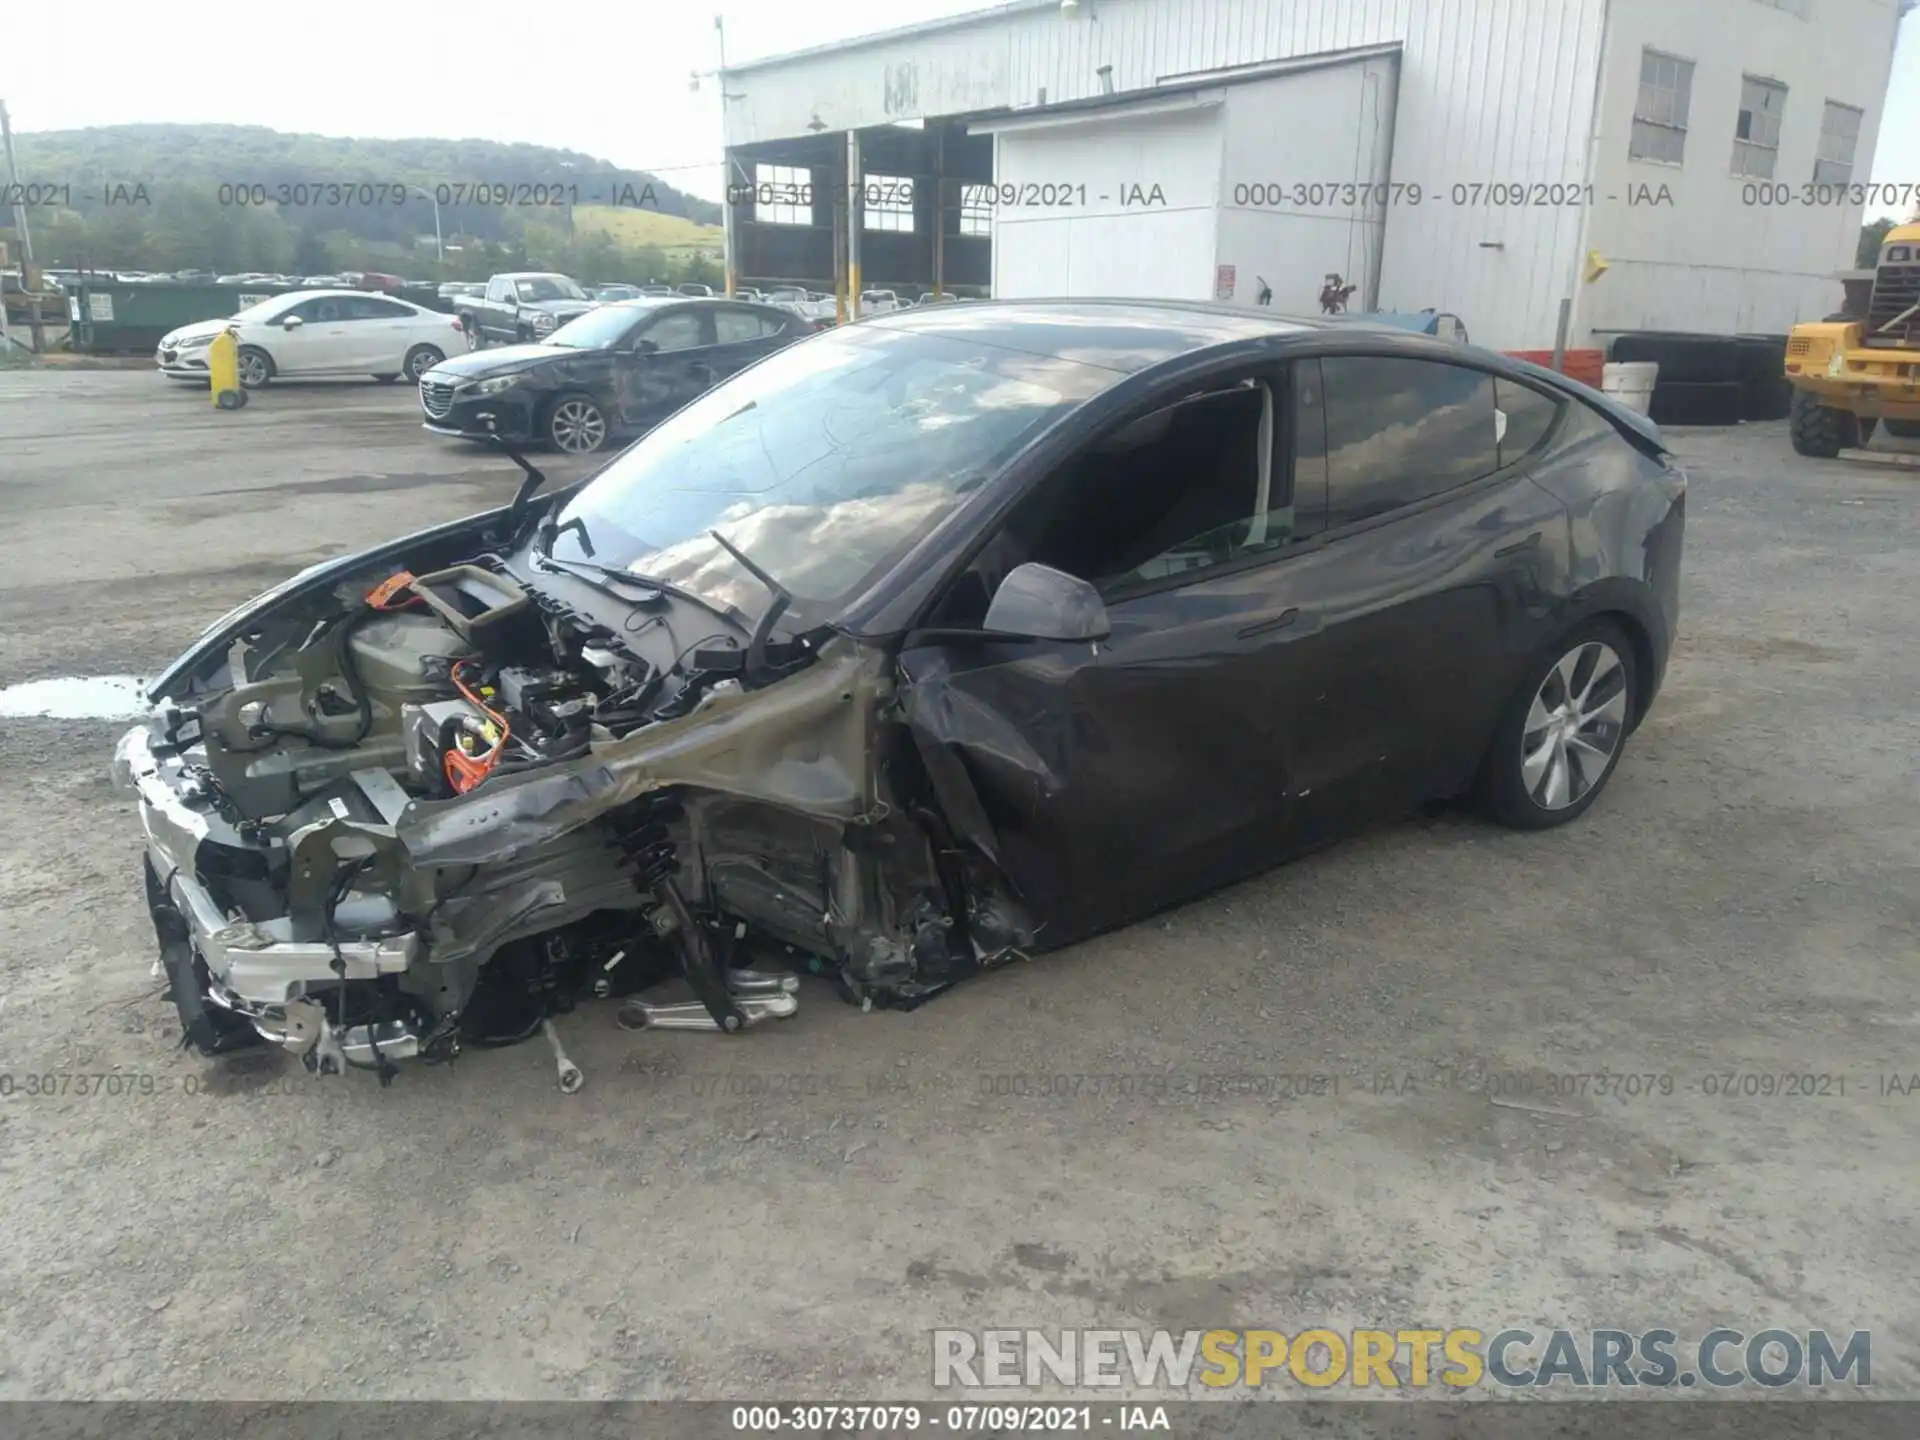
[(804, 744)]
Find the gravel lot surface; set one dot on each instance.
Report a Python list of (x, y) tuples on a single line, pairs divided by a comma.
[(1274, 1107)]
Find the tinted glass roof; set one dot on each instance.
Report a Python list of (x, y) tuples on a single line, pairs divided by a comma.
[(1125, 335)]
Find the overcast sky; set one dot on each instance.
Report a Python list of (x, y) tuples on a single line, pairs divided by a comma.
[(619, 70)]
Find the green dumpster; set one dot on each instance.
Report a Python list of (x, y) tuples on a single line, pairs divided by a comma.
[(118, 318)]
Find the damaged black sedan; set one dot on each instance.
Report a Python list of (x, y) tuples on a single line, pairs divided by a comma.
[(922, 645)]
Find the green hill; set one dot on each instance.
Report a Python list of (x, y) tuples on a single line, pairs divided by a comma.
[(244, 197), (635, 227)]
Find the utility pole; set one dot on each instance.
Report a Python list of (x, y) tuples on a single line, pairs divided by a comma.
[(439, 243), (729, 243), (27, 285)]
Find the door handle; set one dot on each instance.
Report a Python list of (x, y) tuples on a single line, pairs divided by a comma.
[(1518, 545), (1271, 623)]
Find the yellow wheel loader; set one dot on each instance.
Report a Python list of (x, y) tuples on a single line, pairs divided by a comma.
[(1862, 366)]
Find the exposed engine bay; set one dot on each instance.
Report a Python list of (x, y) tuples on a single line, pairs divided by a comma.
[(434, 796)]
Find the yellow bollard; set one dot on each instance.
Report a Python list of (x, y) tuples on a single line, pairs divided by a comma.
[(223, 366)]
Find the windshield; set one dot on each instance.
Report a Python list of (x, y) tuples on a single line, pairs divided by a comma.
[(548, 287), (824, 463), (597, 329)]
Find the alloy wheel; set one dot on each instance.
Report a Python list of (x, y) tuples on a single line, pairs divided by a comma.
[(421, 361), (253, 369), (1574, 726), (577, 426)]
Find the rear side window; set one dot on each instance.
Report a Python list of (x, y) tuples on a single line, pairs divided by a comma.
[(367, 308), (740, 327), (1526, 416), (1399, 431)]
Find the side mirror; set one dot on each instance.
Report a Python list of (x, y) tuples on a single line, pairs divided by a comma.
[(1037, 602), (644, 346), (292, 322)]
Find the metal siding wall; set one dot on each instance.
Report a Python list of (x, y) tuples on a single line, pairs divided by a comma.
[(1490, 90), (1711, 261)]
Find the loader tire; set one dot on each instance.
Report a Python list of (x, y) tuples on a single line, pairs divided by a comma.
[(1819, 430)]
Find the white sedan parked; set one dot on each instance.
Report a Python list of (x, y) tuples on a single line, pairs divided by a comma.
[(319, 333)]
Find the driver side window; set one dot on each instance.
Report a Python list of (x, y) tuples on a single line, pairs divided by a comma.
[(680, 330), (1165, 496)]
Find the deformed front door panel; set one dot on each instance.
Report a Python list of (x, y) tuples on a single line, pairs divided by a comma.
[(1108, 780)]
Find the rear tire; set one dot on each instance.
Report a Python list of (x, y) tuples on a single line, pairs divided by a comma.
[(1904, 429), (1563, 731), (420, 360), (476, 340), (1819, 430), (256, 367)]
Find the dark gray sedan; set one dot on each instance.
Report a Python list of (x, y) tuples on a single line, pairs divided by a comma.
[(616, 370)]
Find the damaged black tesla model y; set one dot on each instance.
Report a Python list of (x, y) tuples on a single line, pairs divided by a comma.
[(923, 644)]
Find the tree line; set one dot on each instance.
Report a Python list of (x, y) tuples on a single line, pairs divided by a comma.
[(177, 234), (232, 199)]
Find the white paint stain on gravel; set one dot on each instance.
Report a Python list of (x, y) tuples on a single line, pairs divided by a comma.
[(87, 697)]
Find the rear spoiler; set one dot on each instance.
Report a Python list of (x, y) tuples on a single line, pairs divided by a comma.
[(1639, 431)]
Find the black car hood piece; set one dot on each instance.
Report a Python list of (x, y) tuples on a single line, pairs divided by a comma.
[(500, 361)]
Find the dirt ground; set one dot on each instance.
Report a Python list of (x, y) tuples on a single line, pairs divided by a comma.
[(1290, 1104)]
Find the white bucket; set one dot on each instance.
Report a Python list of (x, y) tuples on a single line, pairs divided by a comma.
[(1631, 383)]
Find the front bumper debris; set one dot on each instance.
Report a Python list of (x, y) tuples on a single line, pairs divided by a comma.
[(247, 972)]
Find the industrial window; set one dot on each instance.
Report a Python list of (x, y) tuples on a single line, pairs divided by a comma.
[(887, 204), (1660, 114), (1756, 132), (1839, 134), (976, 210), (782, 195)]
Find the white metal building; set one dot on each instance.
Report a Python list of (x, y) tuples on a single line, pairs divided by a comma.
[(1234, 148)]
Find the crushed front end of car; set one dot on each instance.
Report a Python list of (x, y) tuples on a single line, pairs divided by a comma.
[(410, 802)]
